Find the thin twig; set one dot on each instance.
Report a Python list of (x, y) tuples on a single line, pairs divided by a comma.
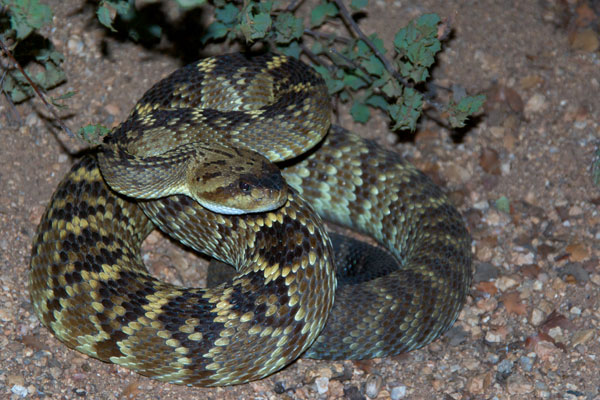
[(12, 105), (313, 57), (293, 4), (387, 64), (353, 63), (37, 90), (321, 35)]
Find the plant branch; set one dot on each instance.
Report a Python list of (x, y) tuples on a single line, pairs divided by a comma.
[(293, 4), (366, 76), (12, 105), (313, 57), (36, 89), (387, 64), (321, 35)]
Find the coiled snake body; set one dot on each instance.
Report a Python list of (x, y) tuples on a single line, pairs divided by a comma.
[(89, 285)]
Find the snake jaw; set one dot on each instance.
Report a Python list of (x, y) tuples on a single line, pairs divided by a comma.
[(256, 200), (251, 188)]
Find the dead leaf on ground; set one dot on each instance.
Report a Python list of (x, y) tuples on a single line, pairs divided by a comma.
[(489, 159), (531, 271), (512, 303), (577, 252), (487, 287), (554, 320), (585, 15), (131, 391), (586, 40)]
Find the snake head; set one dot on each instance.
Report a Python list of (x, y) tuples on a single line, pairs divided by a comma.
[(236, 181)]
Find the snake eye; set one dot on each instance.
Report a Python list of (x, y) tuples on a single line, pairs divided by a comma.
[(244, 186)]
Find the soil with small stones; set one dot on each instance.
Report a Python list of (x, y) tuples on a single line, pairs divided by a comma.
[(521, 177)]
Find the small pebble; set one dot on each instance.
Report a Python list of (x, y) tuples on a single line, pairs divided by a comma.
[(576, 270), (399, 392), (537, 317), (536, 103), (75, 45), (505, 367), (19, 390), (581, 337), (526, 363), (493, 337), (493, 358), (518, 384), (504, 283), (485, 272), (32, 120), (575, 311), (352, 393), (279, 387), (373, 385), (322, 384)]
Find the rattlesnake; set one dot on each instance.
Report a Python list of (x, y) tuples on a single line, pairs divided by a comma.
[(89, 285)]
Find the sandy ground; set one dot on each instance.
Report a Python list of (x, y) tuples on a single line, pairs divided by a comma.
[(530, 326)]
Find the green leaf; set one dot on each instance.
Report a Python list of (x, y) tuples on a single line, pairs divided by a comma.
[(317, 48), (363, 49), (93, 133), (360, 112), (216, 30), (104, 17), (596, 167), (358, 4), (262, 22), (373, 65), (155, 30), (417, 45), (228, 14), (392, 88), (333, 85), (189, 4), (378, 43), (466, 107), (49, 55), (407, 109), (322, 11), (378, 101), (15, 90), (51, 77), (56, 100), (27, 15), (256, 26), (292, 49), (264, 6), (124, 8), (108, 9), (428, 22), (503, 204), (288, 28), (354, 82)]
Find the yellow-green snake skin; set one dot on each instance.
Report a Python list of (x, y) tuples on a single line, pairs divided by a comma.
[(90, 287)]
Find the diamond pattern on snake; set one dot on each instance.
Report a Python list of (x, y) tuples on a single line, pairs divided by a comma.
[(235, 157)]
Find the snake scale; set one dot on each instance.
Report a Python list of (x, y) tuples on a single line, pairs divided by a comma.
[(89, 285)]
